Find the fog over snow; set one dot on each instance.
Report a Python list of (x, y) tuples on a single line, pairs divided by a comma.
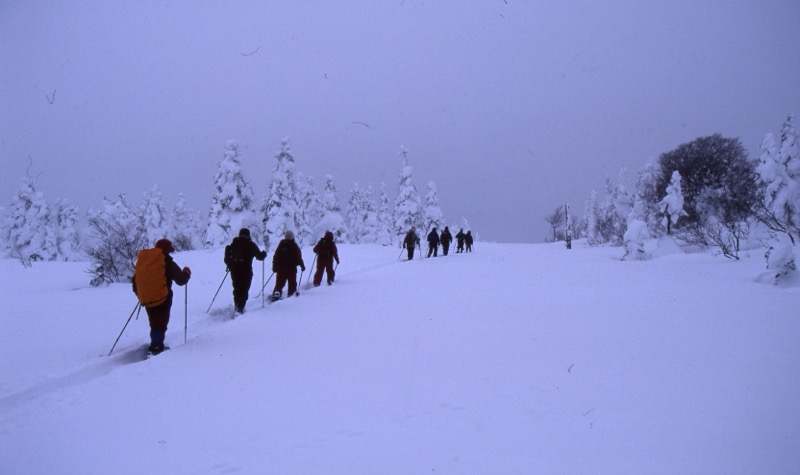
[(530, 103)]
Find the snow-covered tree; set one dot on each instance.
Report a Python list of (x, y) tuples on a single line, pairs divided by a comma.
[(383, 235), (280, 210), (590, 220), (406, 205), (613, 212), (310, 204), (779, 174), (31, 236), (184, 226), (780, 257), (647, 193), (118, 236), (636, 233), (68, 238), (232, 203), (556, 221), (155, 217), (671, 206), (568, 226), (332, 219), (431, 212), (354, 214)]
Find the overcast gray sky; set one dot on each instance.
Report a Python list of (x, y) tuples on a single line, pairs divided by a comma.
[(511, 107)]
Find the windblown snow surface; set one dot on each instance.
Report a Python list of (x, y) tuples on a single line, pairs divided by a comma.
[(513, 359)]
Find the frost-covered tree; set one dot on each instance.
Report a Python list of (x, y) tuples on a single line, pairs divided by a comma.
[(671, 206), (310, 204), (31, 236), (332, 219), (431, 212), (779, 174), (280, 210), (568, 226), (556, 222), (184, 226), (406, 205), (647, 194), (155, 217), (612, 212), (383, 234), (636, 233), (68, 238), (590, 220), (780, 257), (362, 216), (118, 235), (232, 203)]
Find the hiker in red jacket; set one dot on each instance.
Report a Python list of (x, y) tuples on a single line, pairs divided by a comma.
[(284, 264), (158, 315), (326, 253)]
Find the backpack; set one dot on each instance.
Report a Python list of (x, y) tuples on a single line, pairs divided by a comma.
[(324, 249), (234, 252), (284, 255), (150, 277)]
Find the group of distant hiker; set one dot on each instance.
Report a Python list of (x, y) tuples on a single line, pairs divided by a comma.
[(155, 271), (412, 241)]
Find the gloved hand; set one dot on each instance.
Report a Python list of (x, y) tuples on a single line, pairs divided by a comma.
[(337, 262), (188, 271), (303, 268)]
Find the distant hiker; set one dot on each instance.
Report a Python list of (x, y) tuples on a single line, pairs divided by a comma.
[(154, 273), (326, 253), (468, 240), (239, 255), (284, 264), (433, 243), (460, 239), (410, 242), (446, 238)]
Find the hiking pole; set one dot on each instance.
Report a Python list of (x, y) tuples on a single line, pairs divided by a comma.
[(309, 273), (401, 253), (265, 284), (301, 278), (138, 306), (262, 284), (186, 310), (227, 271)]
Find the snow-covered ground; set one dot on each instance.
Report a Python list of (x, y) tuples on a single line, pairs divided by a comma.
[(514, 359)]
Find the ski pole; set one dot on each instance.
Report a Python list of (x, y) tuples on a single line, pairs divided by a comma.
[(227, 271), (312, 266), (138, 306), (262, 284), (401, 253), (185, 311), (301, 277), (265, 284)]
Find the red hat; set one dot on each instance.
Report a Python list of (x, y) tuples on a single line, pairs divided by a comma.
[(165, 245)]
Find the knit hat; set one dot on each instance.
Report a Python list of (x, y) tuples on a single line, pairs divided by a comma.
[(244, 232), (165, 245), (328, 235), (289, 235)]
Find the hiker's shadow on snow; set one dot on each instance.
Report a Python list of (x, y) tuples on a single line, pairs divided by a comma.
[(221, 314), (134, 355)]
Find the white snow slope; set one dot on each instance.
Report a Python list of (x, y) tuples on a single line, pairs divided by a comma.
[(513, 359)]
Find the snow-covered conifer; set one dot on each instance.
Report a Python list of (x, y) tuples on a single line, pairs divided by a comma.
[(383, 234), (232, 203), (310, 204), (332, 219), (780, 257), (184, 226), (155, 217), (31, 236), (280, 210), (636, 233), (590, 220), (406, 205), (671, 206), (432, 212), (68, 238)]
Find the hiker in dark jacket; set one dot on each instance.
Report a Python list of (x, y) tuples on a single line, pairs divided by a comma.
[(446, 238), (239, 255), (410, 242), (468, 240), (284, 264), (159, 315), (460, 239), (433, 243), (326, 253)]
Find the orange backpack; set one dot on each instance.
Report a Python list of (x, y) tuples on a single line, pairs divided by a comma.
[(150, 277)]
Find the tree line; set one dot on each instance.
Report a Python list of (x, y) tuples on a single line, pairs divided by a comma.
[(32, 230), (706, 193)]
